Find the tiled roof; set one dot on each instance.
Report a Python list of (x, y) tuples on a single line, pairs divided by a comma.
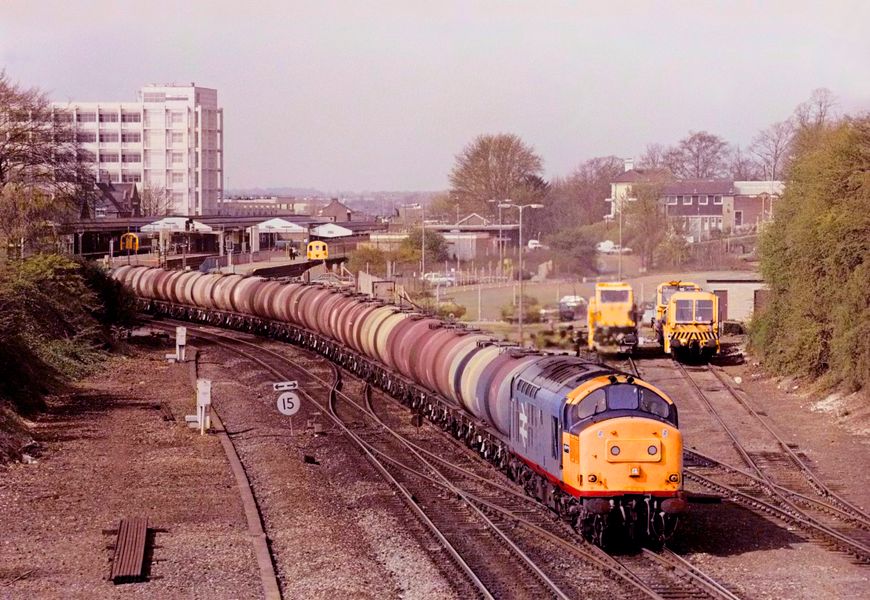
[(722, 187), (642, 175)]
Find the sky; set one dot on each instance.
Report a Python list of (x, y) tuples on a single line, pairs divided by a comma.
[(383, 95)]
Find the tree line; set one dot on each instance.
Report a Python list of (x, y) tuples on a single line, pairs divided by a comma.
[(496, 167), (816, 257)]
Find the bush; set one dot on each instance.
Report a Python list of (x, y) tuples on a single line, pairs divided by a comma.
[(55, 319)]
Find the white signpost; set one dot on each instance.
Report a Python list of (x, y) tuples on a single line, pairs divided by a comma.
[(201, 419), (288, 401), (180, 344)]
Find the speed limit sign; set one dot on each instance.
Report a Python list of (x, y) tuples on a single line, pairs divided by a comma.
[(288, 404)]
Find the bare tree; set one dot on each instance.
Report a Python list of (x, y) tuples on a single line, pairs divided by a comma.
[(743, 167), (817, 110), (772, 146), (496, 167), (701, 155), (653, 157), (43, 172), (155, 202)]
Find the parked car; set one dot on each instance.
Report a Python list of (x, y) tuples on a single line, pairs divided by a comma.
[(535, 245), (440, 279)]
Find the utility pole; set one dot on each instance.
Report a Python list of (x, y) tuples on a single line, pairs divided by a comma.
[(521, 207)]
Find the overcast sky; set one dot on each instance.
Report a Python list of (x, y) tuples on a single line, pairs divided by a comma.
[(383, 95)]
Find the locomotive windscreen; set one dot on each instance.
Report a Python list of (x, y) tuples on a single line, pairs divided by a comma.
[(614, 295), (618, 397)]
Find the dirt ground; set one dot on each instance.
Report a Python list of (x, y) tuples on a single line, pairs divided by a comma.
[(105, 452), (760, 557)]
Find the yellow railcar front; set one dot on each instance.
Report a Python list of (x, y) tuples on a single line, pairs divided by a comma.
[(318, 250), (612, 318), (691, 326)]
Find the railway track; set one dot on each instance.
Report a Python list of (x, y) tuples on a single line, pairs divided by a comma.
[(778, 483), (515, 529)]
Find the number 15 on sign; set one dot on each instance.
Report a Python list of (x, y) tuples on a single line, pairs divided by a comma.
[(288, 404)]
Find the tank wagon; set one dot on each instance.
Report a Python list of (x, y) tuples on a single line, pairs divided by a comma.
[(600, 447), (612, 318)]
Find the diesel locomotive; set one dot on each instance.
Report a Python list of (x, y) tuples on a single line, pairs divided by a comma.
[(600, 447)]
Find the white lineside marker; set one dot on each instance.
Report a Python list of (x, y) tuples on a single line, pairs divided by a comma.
[(180, 345), (202, 418), (288, 405)]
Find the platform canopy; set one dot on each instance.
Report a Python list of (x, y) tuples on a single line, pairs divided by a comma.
[(175, 224), (331, 230), (277, 225)]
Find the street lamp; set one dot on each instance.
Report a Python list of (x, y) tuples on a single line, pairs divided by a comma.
[(520, 207), (422, 238), (501, 204)]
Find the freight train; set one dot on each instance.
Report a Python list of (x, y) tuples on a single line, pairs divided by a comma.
[(600, 447)]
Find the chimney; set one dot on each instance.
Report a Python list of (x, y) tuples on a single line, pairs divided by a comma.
[(629, 164)]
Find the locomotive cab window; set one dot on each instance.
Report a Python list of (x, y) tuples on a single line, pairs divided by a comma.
[(617, 397), (684, 311), (704, 310), (614, 295)]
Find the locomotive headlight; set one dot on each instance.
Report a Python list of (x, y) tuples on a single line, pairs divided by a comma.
[(674, 477), (592, 479), (652, 450), (614, 450)]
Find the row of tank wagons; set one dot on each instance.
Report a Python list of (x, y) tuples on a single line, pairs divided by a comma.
[(606, 439), (612, 318), (686, 321)]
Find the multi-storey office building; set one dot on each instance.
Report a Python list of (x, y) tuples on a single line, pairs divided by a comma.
[(170, 142)]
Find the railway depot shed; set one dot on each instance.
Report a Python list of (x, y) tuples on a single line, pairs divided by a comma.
[(739, 297)]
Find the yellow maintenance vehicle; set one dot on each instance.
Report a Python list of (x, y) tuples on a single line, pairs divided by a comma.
[(612, 318)]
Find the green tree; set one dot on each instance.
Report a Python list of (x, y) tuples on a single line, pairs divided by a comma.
[(496, 168), (815, 256), (573, 251), (644, 221), (368, 259), (436, 245)]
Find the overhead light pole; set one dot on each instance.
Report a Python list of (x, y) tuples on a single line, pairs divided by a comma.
[(520, 207)]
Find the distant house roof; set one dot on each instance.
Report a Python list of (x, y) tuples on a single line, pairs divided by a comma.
[(643, 175), (473, 219), (113, 200), (722, 187)]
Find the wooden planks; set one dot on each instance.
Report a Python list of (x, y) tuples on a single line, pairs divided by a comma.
[(128, 563)]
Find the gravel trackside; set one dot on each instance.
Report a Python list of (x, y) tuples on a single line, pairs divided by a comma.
[(106, 452)]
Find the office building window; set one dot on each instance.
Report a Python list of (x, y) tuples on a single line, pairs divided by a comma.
[(132, 157), (131, 177), (177, 158), (108, 117), (717, 199), (131, 137), (703, 199), (177, 117), (86, 117), (177, 197), (672, 200), (686, 199), (63, 117), (177, 177), (86, 137), (130, 117), (177, 137), (153, 97), (107, 157), (109, 136)]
